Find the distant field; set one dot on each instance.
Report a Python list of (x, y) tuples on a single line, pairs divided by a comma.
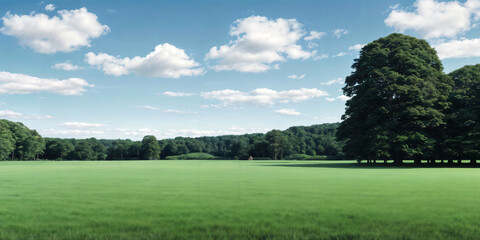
[(236, 200)]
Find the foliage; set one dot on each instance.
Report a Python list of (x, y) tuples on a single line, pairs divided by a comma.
[(398, 97), (462, 138), (150, 149), (17, 142)]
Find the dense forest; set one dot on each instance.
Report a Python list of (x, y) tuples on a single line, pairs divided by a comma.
[(17, 142)]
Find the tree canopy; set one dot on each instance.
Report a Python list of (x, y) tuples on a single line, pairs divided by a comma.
[(398, 96), (462, 137)]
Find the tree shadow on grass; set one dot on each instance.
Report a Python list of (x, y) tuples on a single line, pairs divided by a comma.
[(377, 165)]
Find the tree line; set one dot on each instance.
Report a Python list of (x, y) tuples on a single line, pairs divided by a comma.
[(17, 142), (402, 105)]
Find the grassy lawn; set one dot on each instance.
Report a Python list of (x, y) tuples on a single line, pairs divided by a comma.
[(236, 200)]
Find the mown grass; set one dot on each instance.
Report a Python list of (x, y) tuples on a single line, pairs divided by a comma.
[(236, 200)]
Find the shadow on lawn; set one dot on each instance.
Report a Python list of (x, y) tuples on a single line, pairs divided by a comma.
[(377, 165)]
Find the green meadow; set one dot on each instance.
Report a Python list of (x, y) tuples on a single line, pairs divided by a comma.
[(236, 200)]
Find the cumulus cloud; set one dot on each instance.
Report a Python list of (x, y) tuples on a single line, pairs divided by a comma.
[(166, 61), (177, 94), (14, 83), (286, 111), (334, 81), (67, 32), (259, 43), (319, 57), (263, 96), (148, 107), (340, 32), (8, 114), (171, 133), (294, 76), (459, 48), (49, 7), (341, 54), (356, 47), (312, 45), (340, 98), (314, 35), (66, 66), (434, 19), (178, 111), (81, 125), (83, 133)]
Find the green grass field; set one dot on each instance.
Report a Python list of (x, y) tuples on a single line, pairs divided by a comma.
[(236, 200)]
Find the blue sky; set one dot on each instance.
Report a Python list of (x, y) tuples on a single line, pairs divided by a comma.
[(125, 69)]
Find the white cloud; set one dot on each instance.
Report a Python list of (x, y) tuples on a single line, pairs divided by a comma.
[(49, 7), (71, 133), (139, 133), (166, 61), (14, 83), (177, 94), (64, 33), (341, 54), (312, 45), (314, 35), (333, 81), (356, 47), (340, 98), (66, 66), (340, 32), (8, 114), (294, 76), (148, 107), (259, 43), (171, 133), (434, 19), (178, 111), (320, 57), (263, 96), (81, 125), (286, 111), (459, 48)]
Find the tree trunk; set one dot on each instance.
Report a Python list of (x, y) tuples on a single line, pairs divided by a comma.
[(473, 161), (459, 161), (359, 161), (450, 161), (417, 161), (398, 161), (385, 161)]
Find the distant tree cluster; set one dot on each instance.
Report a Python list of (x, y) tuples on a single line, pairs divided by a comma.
[(403, 106), (17, 142)]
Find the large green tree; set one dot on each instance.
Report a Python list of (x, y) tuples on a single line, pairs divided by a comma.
[(57, 149), (278, 144), (150, 149), (398, 96), (7, 142), (462, 138)]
